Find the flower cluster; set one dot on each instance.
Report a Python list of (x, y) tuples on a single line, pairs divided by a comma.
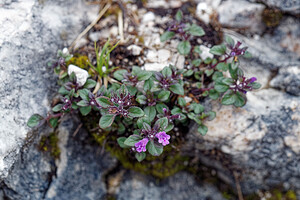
[(143, 108)]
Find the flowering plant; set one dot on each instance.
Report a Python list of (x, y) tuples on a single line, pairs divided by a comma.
[(145, 107)]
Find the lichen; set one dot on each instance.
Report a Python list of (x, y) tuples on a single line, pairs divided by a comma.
[(271, 17), (50, 144)]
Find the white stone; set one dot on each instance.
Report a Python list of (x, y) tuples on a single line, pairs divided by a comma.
[(136, 50), (152, 56), (188, 99), (155, 66), (205, 52), (180, 62), (81, 74), (163, 55), (149, 16), (204, 11)]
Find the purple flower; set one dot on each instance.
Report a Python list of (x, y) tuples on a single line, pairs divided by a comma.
[(141, 145), (163, 138), (253, 79)]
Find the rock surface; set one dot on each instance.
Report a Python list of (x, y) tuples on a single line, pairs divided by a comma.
[(181, 186), (78, 174), (31, 33), (290, 6)]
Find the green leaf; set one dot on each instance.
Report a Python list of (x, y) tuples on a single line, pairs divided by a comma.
[(202, 129), (247, 54), (222, 66), (83, 103), (196, 30), (188, 73), (177, 89), (140, 156), (144, 75), (197, 62), (166, 71), (104, 101), (148, 84), (218, 50), (228, 81), (175, 111), (154, 149), (181, 102), (121, 128), (90, 83), (34, 120), (209, 72), (162, 123), (62, 90), (221, 88), (211, 115), (197, 50), (136, 70), (169, 127), (166, 36), (213, 94), (132, 90), (135, 112), (235, 64), (217, 75), (106, 120), (179, 15), (229, 41), (184, 47), (240, 100), (150, 112), (141, 99), (255, 85), (85, 110), (233, 73), (53, 122), (84, 94), (146, 126), (131, 140), (228, 99), (119, 74), (164, 95), (159, 107), (121, 141), (197, 108), (57, 108)]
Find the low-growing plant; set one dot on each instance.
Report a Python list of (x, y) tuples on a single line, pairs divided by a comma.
[(144, 107)]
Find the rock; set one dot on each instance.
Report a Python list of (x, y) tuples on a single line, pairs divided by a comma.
[(155, 66), (31, 34), (136, 50), (77, 174), (81, 74), (163, 55), (152, 56), (206, 9), (241, 14), (290, 6), (149, 16), (288, 79), (205, 52), (267, 50), (181, 186)]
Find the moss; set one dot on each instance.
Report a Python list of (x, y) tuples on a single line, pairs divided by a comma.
[(271, 17), (160, 167), (80, 61), (50, 144)]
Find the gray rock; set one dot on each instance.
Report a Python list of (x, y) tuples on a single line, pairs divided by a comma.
[(290, 6), (288, 79), (31, 33), (78, 174), (181, 186), (241, 14)]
